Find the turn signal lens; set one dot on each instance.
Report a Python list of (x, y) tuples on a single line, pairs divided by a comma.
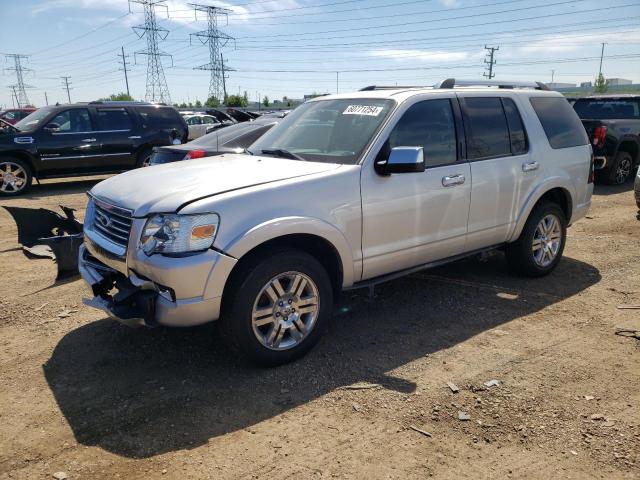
[(203, 231)]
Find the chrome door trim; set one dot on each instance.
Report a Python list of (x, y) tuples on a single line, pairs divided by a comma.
[(84, 156)]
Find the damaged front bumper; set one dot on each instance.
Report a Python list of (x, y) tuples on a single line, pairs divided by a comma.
[(135, 300)]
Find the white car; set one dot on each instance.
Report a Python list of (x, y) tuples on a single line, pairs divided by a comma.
[(347, 191), (200, 124)]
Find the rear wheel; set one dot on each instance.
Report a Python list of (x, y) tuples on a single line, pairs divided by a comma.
[(620, 169), (144, 157), (541, 243), (278, 307), (15, 176)]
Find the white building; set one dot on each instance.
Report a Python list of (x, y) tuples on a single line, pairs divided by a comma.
[(618, 81)]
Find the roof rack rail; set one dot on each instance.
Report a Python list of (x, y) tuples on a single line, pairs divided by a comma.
[(452, 83), (391, 87)]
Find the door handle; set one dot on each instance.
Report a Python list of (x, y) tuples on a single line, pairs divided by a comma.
[(88, 140), (530, 166), (453, 180), (135, 137)]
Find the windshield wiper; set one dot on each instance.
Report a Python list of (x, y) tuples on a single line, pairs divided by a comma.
[(279, 152)]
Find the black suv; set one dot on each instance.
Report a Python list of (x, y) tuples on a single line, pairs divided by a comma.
[(84, 138)]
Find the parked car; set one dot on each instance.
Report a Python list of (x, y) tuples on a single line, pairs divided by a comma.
[(613, 125), (347, 191), (239, 115), (84, 138), (200, 124), (14, 115), (233, 139), (221, 116)]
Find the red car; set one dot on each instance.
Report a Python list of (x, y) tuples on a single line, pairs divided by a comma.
[(14, 115)]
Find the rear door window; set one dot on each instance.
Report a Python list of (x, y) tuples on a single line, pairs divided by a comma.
[(560, 122), (113, 119), (517, 134), (486, 127)]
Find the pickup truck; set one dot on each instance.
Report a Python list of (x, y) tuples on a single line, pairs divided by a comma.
[(613, 125)]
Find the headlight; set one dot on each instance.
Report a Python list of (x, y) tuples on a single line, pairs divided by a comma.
[(172, 233)]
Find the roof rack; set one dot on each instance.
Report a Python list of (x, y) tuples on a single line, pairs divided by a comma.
[(391, 87), (122, 102), (452, 83)]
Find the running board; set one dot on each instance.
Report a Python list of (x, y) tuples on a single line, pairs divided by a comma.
[(371, 282)]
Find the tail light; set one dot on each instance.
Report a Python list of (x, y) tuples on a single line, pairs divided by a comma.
[(195, 154), (599, 135)]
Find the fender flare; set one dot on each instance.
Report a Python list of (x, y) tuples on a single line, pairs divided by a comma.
[(280, 227), (523, 215)]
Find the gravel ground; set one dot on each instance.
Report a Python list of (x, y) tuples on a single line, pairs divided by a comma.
[(84, 397)]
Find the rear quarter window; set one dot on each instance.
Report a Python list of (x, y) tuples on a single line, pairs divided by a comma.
[(559, 121), (160, 117)]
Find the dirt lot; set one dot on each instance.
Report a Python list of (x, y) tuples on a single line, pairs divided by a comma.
[(88, 397)]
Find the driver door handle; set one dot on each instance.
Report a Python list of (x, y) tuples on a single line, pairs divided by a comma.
[(88, 140), (453, 180)]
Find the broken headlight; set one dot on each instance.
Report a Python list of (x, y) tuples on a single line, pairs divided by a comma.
[(171, 233)]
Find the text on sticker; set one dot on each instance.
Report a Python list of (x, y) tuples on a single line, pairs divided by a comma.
[(370, 110)]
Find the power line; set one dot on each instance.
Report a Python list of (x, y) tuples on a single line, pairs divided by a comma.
[(216, 39), (157, 90), (65, 84), (20, 87), (490, 61)]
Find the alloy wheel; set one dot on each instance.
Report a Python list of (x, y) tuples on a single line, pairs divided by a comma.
[(623, 170), (13, 177), (285, 311), (547, 238)]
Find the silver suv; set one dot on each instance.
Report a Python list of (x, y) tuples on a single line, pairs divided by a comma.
[(348, 191)]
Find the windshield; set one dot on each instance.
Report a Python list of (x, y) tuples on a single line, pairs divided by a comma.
[(331, 131), (34, 120), (607, 109)]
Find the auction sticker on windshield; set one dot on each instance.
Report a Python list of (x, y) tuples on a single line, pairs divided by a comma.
[(370, 110)]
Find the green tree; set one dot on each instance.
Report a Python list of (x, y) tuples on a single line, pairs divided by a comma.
[(265, 101), (601, 85), (212, 102), (245, 99), (237, 101), (119, 97), (190, 105), (198, 104), (183, 105)]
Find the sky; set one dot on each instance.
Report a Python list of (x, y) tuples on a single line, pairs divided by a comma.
[(295, 47)]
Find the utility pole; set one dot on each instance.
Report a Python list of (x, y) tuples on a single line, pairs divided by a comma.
[(124, 67), (20, 87), (489, 60), (553, 72), (337, 82), (601, 57), (224, 77), (216, 40), (46, 99), (157, 90), (65, 84)]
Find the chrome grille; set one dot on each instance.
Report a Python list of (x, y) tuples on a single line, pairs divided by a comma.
[(111, 222)]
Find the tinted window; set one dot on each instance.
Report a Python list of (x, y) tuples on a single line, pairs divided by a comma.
[(517, 135), (194, 121), (429, 125), (208, 120), (486, 127), (113, 119), (159, 117), (76, 120), (560, 122), (247, 139), (608, 109)]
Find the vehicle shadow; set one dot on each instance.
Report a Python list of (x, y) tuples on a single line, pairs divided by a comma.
[(61, 187), (602, 189), (140, 393)]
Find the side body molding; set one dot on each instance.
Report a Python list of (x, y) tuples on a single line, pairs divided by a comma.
[(535, 195), (280, 227)]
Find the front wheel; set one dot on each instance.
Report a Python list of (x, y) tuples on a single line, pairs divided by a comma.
[(541, 243), (278, 307), (15, 176)]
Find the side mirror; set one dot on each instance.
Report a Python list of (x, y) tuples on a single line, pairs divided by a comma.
[(52, 127), (402, 160)]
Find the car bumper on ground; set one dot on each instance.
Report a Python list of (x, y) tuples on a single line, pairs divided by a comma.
[(140, 301)]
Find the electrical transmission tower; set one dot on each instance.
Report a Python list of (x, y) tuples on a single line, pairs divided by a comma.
[(490, 61), (157, 90), (20, 87), (216, 40)]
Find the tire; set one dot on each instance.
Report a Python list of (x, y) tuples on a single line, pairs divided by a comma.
[(280, 333), (15, 176), (144, 157), (522, 257), (620, 169)]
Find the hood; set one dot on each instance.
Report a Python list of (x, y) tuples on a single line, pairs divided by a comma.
[(166, 188)]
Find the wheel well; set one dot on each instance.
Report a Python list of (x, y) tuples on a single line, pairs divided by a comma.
[(316, 246), (21, 156), (631, 148), (562, 198)]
